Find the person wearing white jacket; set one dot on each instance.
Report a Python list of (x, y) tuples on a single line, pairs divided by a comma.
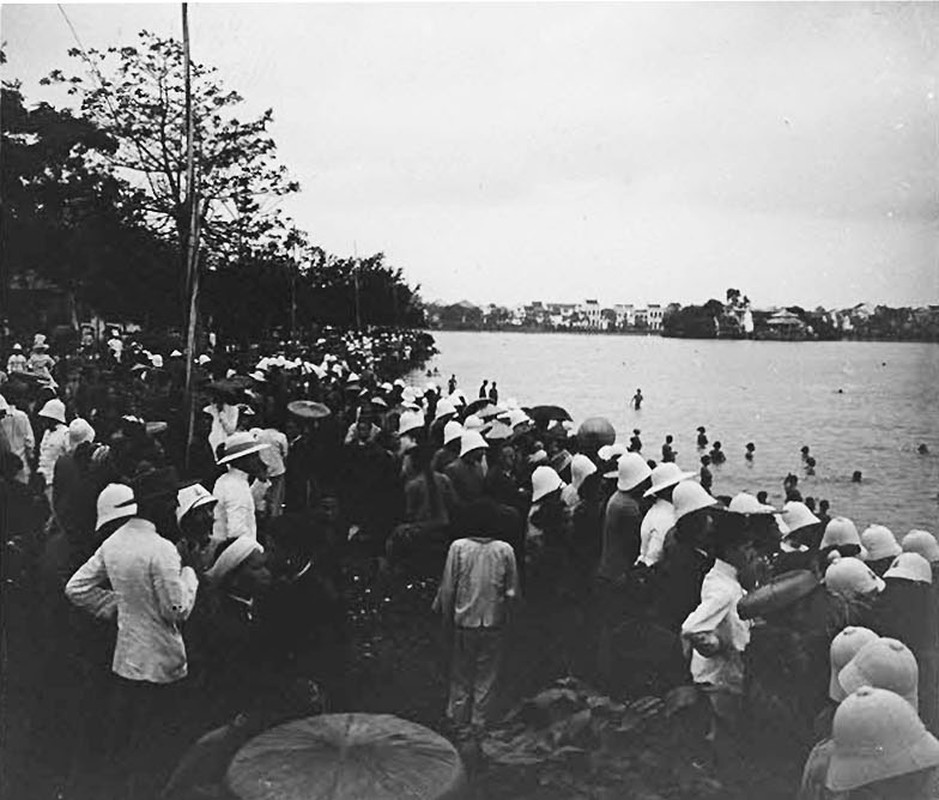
[(714, 630), (236, 507), (152, 591), (54, 442)]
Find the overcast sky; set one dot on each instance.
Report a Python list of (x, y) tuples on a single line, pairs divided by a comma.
[(632, 152)]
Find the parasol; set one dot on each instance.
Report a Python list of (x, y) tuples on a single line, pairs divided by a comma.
[(476, 406), (234, 384), (308, 409), (347, 757), (545, 414), (595, 432)]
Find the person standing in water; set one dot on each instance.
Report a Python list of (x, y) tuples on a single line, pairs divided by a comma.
[(451, 384), (635, 443), (702, 438), (750, 450), (717, 455), (707, 478), (637, 399), (668, 454)]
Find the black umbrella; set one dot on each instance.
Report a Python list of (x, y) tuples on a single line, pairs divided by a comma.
[(232, 385), (542, 415), (476, 405)]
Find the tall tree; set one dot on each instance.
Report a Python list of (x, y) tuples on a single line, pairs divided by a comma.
[(137, 96), (66, 221)]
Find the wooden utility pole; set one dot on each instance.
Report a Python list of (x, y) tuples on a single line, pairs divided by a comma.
[(355, 278), (192, 240)]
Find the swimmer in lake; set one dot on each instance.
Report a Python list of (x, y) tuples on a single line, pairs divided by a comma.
[(668, 454), (635, 443), (706, 477), (823, 506), (805, 452), (922, 449), (790, 482), (717, 455), (751, 448), (702, 438), (637, 399), (810, 466), (856, 477)]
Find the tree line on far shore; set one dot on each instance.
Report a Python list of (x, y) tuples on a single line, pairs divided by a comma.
[(96, 210), (711, 320)]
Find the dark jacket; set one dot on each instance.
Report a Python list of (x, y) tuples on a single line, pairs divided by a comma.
[(906, 610), (677, 583), (467, 481)]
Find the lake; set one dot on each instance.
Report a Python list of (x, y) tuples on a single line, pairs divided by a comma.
[(779, 395)]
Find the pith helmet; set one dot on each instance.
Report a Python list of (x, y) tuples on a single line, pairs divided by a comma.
[(877, 735)]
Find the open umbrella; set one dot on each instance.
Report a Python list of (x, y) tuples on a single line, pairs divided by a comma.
[(476, 405), (232, 385), (308, 409), (545, 414), (347, 757)]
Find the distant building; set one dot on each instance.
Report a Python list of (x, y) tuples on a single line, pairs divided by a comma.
[(654, 315), (590, 313), (625, 315), (785, 323)]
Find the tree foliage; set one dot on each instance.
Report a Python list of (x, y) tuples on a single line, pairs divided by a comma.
[(267, 291), (137, 96), (695, 322), (96, 205), (66, 221)]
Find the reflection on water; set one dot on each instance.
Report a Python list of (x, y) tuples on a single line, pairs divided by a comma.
[(858, 405)]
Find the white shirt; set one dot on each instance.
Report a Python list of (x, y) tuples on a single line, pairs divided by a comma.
[(224, 424), (479, 577), (570, 496), (152, 595), (19, 434), (54, 444), (658, 521), (274, 455), (16, 363), (717, 614), (234, 512)]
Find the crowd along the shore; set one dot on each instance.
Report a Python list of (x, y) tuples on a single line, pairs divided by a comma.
[(186, 586)]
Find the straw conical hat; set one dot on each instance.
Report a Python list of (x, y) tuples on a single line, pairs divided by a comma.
[(347, 757)]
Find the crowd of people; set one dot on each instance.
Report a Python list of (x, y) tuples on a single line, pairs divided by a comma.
[(191, 583)]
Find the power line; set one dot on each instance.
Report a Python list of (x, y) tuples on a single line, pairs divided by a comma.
[(141, 150)]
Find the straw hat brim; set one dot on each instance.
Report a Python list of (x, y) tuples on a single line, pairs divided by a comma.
[(255, 448)]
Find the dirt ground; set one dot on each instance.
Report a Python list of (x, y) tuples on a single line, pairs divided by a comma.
[(400, 668)]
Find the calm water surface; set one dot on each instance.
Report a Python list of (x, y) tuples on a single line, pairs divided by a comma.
[(779, 395)]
